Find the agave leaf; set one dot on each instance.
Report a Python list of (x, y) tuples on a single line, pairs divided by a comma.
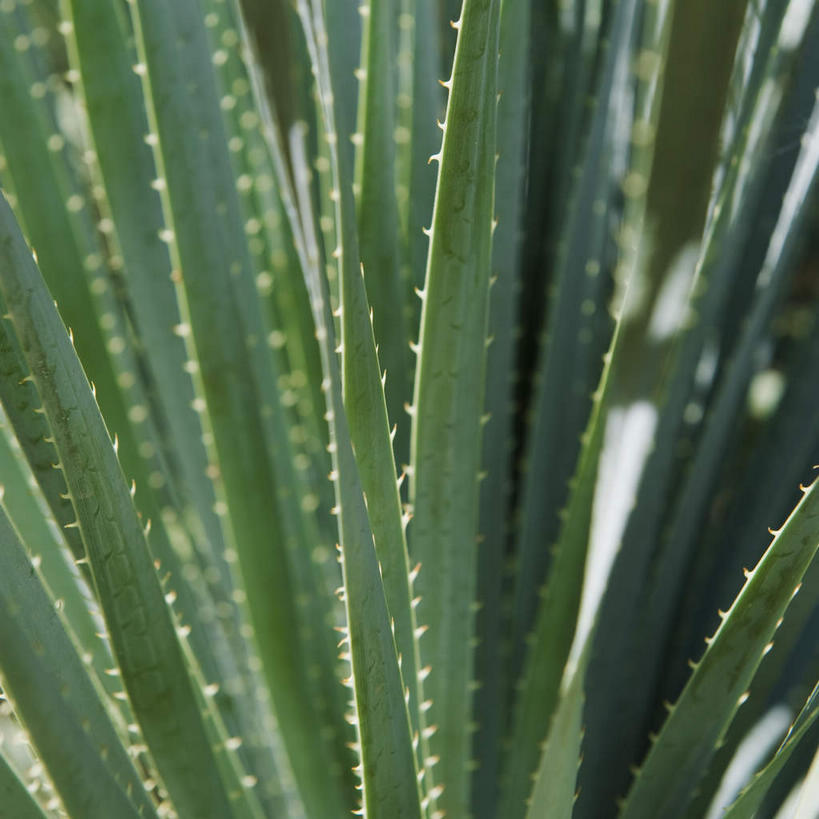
[(146, 647), (757, 45), (496, 488), (553, 794), (51, 691), (282, 65), (554, 33), (14, 795), (343, 25), (449, 390), (750, 799), (585, 30), (711, 697)]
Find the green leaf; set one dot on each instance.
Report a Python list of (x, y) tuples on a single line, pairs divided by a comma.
[(363, 389), (449, 392), (498, 439), (553, 794), (749, 800), (14, 797), (711, 697)]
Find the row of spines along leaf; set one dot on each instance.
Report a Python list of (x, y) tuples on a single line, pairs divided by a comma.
[(448, 401), (388, 135)]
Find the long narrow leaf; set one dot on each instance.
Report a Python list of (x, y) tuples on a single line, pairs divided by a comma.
[(749, 800), (449, 390), (707, 704), (496, 488)]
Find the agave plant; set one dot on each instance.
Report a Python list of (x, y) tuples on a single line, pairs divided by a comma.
[(237, 255)]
